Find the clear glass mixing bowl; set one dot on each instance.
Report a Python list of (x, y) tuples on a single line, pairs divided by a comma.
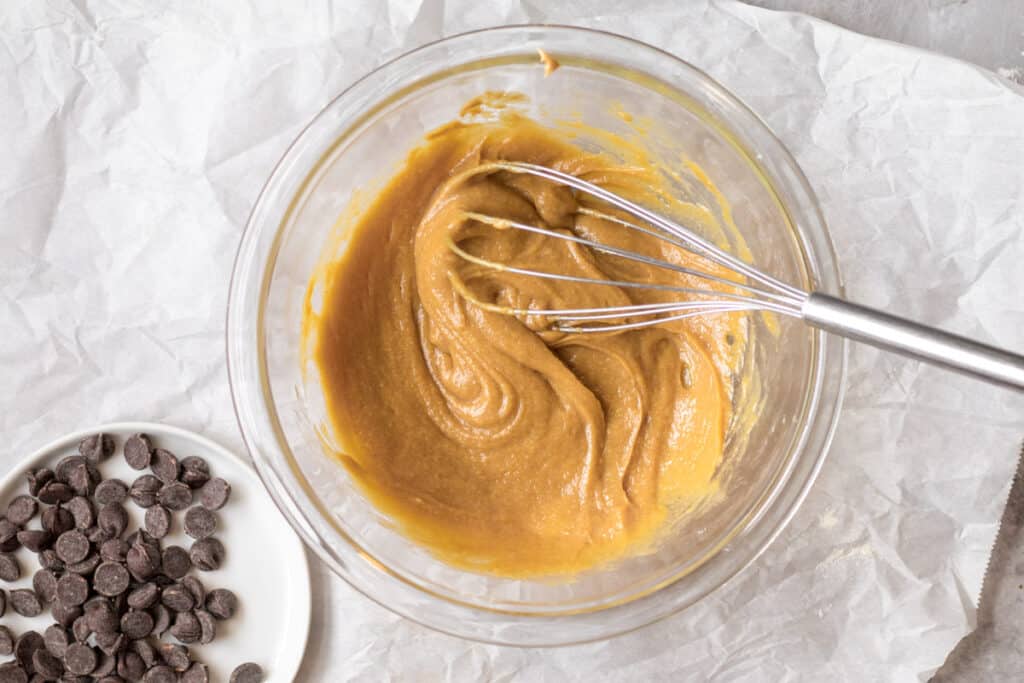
[(355, 143)]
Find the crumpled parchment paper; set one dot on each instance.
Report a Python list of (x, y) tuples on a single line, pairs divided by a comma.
[(136, 137)]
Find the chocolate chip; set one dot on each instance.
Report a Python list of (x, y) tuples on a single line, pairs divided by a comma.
[(197, 673), (165, 466), (194, 472), (56, 520), (247, 673), (62, 472), (86, 566), (144, 650), (139, 564), (160, 674), (207, 626), (8, 532), (152, 544), (214, 494), (200, 522), (113, 519), (44, 583), (62, 613), (158, 521), (176, 562), (137, 624), (111, 491), (142, 562), (72, 546), (207, 554), (138, 451), (82, 510), (72, 589), (11, 672), (56, 639), (55, 492), (37, 479), (130, 666), (6, 641), (221, 603), (144, 490), (10, 545), (80, 481), (80, 659), (101, 617), (175, 656), (96, 448), (177, 598), (77, 473), (25, 602), (21, 510), (3, 602), (110, 579), (111, 643), (25, 646), (35, 540), (10, 569), (175, 496), (106, 669), (48, 560), (195, 587), (114, 550), (186, 628), (144, 596), (161, 619), (46, 665)]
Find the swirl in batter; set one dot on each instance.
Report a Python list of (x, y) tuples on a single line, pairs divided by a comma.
[(497, 443)]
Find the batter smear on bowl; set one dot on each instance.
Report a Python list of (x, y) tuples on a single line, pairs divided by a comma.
[(501, 445)]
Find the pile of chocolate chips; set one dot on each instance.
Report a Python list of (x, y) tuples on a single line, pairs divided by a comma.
[(114, 596)]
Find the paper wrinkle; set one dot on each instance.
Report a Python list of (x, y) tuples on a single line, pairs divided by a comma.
[(137, 140)]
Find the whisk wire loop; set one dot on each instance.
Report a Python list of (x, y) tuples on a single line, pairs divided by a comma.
[(761, 292)]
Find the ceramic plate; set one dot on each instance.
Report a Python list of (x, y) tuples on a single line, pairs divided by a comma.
[(265, 563)]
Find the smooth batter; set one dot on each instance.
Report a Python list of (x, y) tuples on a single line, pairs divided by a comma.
[(499, 444)]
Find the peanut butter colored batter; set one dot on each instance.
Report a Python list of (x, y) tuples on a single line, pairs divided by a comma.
[(498, 443)]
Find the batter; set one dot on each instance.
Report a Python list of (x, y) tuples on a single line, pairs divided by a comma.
[(501, 445)]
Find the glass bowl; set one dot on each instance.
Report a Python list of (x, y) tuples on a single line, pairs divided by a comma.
[(351, 148)]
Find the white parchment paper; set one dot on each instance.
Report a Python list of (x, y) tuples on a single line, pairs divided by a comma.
[(134, 140)]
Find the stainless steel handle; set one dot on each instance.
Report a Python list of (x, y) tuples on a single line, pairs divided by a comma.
[(915, 340)]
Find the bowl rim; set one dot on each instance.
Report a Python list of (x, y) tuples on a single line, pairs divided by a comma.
[(829, 366)]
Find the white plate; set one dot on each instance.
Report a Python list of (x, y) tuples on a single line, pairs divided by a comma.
[(265, 563)]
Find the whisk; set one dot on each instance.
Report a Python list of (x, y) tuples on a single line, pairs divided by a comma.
[(753, 291)]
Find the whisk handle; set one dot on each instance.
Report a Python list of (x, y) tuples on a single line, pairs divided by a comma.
[(915, 340)]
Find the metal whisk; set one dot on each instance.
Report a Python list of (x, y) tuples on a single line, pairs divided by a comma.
[(757, 291)]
